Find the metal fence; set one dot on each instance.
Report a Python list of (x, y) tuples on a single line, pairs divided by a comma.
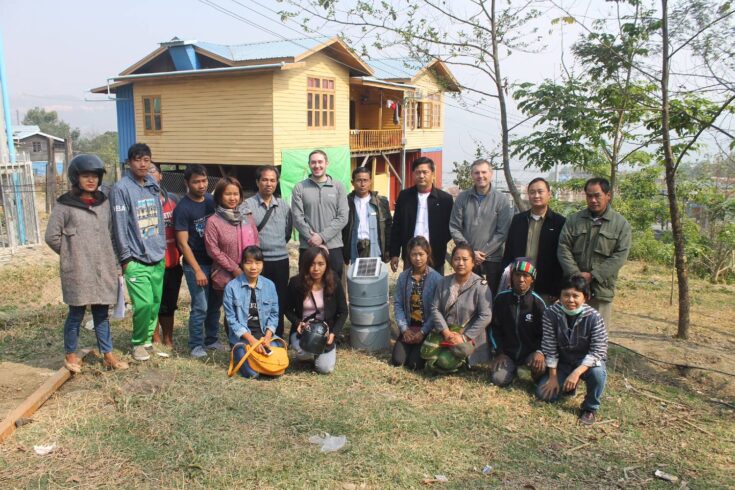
[(18, 217)]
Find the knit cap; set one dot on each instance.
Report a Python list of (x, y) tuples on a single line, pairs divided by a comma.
[(524, 264)]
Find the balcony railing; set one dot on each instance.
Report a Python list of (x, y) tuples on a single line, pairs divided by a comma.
[(375, 139)]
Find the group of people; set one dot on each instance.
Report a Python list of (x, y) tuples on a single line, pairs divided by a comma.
[(530, 290)]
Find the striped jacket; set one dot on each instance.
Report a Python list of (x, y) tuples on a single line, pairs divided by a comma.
[(585, 343)]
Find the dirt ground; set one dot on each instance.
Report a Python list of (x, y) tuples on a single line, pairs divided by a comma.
[(17, 381)]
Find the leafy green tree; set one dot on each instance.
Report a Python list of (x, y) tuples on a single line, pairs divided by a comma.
[(50, 123), (593, 116), (462, 178), (103, 145)]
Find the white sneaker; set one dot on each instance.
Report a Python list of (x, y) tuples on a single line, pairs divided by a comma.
[(217, 346), (140, 354), (198, 352)]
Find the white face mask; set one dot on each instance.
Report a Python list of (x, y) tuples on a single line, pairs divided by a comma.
[(572, 312)]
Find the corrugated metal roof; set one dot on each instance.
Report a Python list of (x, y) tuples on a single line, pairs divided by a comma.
[(263, 50), (22, 132), (395, 67)]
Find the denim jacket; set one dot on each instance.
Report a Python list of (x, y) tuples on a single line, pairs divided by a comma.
[(402, 299), (237, 303)]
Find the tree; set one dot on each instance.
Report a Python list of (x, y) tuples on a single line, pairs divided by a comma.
[(695, 124), (103, 145), (49, 123), (594, 116), (462, 178), (469, 33)]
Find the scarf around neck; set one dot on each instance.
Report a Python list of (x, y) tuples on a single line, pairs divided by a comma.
[(233, 216)]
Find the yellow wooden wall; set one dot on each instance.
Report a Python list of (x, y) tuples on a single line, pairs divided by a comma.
[(227, 119), (427, 138), (289, 107)]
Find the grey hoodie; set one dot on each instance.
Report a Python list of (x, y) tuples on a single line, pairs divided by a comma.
[(138, 220), (320, 208)]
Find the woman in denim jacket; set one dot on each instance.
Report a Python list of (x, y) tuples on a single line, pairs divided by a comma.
[(412, 304), (251, 308)]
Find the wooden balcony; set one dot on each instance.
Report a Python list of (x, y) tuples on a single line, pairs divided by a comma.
[(366, 140)]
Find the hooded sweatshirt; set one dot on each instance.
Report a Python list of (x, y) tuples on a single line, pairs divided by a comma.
[(138, 220)]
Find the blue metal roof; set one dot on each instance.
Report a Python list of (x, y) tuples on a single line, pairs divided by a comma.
[(21, 132), (395, 67), (263, 50)]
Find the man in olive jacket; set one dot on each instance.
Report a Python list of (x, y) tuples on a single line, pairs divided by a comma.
[(367, 233), (595, 243)]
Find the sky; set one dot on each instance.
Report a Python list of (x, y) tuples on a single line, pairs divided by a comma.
[(56, 51)]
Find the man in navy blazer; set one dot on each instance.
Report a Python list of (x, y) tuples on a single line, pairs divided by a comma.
[(535, 234), (421, 210)]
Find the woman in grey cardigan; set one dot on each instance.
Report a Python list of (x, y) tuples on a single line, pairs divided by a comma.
[(79, 231), (462, 309), (412, 304)]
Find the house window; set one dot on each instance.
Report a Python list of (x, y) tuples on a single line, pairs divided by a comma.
[(436, 110), (426, 118), (320, 102), (152, 114), (37, 146), (425, 113)]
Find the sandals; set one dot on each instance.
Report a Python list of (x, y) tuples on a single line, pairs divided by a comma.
[(116, 365), (73, 367)]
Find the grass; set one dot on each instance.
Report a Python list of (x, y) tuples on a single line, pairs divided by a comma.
[(181, 423)]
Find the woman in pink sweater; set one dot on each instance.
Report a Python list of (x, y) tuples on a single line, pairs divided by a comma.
[(228, 232)]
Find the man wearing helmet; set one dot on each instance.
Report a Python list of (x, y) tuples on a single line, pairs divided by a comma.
[(141, 244)]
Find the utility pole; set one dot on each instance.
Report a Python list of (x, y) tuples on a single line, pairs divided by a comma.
[(50, 176), (68, 155)]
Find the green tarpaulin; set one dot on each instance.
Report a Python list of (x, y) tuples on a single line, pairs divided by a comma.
[(295, 167)]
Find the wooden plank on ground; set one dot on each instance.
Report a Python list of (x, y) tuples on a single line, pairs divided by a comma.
[(33, 402)]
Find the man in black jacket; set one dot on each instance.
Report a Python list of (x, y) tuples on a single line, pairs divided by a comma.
[(421, 210), (535, 234), (367, 233), (516, 331)]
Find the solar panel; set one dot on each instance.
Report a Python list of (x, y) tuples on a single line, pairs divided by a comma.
[(366, 267)]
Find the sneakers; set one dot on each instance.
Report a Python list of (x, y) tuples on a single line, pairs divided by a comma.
[(217, 346), (198, 352), (157, 350), (140, 353), (586, 417)]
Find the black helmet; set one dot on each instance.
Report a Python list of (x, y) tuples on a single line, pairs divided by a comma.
[(85, 162), (314, 337)]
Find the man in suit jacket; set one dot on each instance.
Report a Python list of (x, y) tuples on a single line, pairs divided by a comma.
[(421, 210), (535, 234)]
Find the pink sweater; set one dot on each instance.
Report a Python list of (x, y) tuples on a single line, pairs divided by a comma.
[(225, 243)]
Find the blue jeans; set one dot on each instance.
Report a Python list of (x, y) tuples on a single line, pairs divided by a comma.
[(245, 370), (205, 309), (101, 328), (594, 379)]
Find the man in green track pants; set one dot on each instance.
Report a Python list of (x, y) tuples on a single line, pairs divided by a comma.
[(141, 244)]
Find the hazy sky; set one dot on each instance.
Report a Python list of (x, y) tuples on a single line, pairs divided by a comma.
[(56, 51)]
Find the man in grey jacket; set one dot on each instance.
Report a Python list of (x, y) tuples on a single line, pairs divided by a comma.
[(141, 244), (481, 217), (320, 211)]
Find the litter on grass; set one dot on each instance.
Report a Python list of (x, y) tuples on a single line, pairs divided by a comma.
[(329, 443), (44, 450), (665, 476)]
